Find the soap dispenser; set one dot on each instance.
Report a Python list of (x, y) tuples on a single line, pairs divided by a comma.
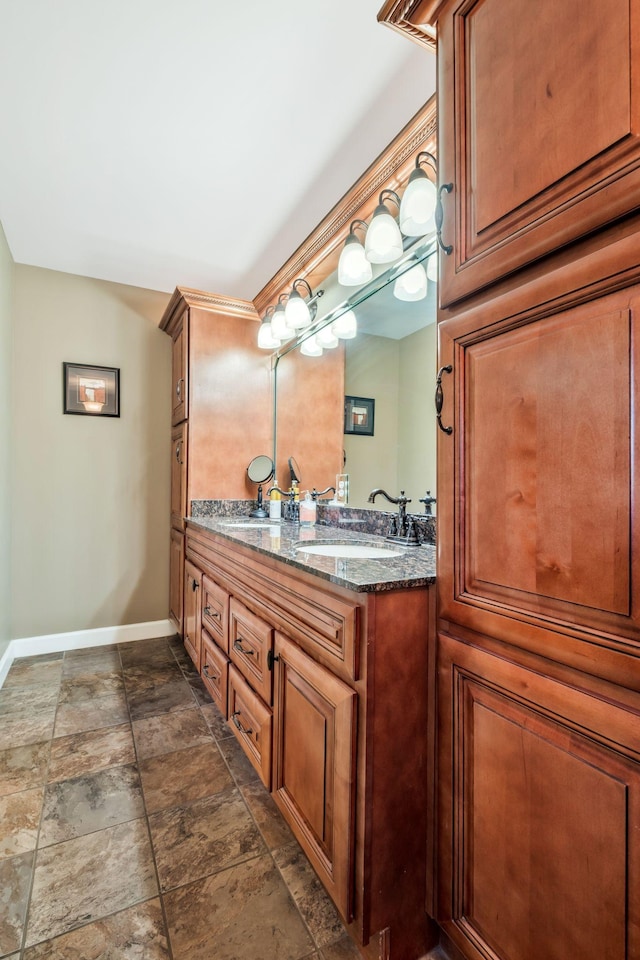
[(307, 511), (275, 503)]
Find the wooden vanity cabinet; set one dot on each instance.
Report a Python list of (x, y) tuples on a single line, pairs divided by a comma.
[(192, 611), (340, 727), (176, 575), (538, 109), (221, 402), (313, 764)]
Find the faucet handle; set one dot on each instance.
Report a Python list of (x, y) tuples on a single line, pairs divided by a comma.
[(427, 500)]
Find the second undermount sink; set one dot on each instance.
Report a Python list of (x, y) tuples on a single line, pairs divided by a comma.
[(356, 551)]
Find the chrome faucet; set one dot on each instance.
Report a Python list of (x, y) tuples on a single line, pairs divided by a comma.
[(402, 530)]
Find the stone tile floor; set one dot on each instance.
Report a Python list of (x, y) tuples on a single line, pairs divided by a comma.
[(133, 828)]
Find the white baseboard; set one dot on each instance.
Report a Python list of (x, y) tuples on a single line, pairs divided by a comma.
[(101, 636)]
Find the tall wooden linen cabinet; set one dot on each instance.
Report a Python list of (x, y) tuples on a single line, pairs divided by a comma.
[(218, 426), (538, 648)]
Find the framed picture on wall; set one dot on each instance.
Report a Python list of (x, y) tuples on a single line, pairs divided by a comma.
[(358, 415), (91, 391)]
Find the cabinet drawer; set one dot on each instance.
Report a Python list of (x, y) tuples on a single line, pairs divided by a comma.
[(215, 612), (215, 672), (250, 643), (251, 721)]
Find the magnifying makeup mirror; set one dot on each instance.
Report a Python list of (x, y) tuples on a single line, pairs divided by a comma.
[(259, 471)]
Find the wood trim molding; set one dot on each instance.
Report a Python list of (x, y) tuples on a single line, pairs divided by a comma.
[(184, 297), (413, 18), (318, 255)]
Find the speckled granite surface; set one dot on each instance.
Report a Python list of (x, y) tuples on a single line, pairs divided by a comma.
[(345, 518), (411, 567)]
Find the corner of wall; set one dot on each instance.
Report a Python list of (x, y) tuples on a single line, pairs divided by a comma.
[(6, 313)]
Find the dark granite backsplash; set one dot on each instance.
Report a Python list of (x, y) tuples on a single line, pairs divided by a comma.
[(360, 521)]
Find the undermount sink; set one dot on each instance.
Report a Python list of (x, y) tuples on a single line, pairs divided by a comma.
[(356, 551)]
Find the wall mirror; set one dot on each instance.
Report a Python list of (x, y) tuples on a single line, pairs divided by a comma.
[(392, 360)]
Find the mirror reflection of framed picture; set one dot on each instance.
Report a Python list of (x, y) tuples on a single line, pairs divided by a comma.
[(358, 415), (91, 391)]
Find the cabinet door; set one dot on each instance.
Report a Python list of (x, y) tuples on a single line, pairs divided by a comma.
[(313, 764), (192, 611), (176, 578), (251, 722), (178, 476), (539, 545), (539, 786), (180, 375), (539, 122), (215, 612), (215, 672), (250, 646)]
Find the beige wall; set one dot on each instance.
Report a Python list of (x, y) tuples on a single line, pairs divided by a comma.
[(400, 376), (6, 296), (372, 371), (90, 495)]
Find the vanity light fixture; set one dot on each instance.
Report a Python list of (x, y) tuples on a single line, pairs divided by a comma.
[(383, 243), (432, 268), (296, 312), (353, 267), (266, 339), (411, 285), (310, 347), (419, 199), (327, 338), (279, 327), (346, 326)]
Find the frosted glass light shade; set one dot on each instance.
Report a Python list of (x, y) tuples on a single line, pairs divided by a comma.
[(346, 326), (310, 347), (266, 339), (279, 327), (412, 285), (353, 267), (432, 268), (383, 243), (296, 312), (327, 338), (418, 206)]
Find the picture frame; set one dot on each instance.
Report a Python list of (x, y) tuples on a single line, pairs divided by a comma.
[(359, 415), (90, 390)]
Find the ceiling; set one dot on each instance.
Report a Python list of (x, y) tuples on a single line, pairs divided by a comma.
[(157, 142)]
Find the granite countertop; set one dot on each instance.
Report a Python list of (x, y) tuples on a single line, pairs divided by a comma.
[(412, 567)]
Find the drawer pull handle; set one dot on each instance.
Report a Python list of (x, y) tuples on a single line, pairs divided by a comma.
[(208, 612), (236, 722), (209, 676), (178, 448), (440, 398), (237, 645), (179, 388), (271, 659), (439, 218), (194, 585)]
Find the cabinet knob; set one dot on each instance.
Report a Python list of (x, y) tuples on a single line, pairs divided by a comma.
[(194, 585), (179, 388), (178, 446), (271, 659)]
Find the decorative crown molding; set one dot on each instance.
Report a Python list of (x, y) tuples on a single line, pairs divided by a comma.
[(413, 18), (184, 297), (318, 255)]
